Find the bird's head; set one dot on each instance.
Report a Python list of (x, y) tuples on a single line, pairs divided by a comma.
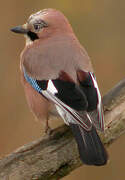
[(44, 24)]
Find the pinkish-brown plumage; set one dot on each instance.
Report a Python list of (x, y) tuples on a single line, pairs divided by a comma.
[(55, 66), (56, 42), (55, 37)]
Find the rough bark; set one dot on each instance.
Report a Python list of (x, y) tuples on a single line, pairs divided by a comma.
[(52, 157)]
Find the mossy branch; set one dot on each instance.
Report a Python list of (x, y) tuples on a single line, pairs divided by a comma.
[(52, 157)]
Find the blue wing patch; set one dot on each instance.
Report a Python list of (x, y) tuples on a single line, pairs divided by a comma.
[(32, 82)]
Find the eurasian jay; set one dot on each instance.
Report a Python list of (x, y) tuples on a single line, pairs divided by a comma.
[(57, 69)]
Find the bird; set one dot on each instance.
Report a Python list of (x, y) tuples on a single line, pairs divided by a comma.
[(57, 70)]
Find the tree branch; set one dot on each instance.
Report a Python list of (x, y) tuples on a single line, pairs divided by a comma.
[(52, 157)]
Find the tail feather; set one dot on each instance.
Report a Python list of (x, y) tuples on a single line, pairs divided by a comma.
[(91, 149)]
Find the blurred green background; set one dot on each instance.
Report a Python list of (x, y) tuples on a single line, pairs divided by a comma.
[(100, 27)]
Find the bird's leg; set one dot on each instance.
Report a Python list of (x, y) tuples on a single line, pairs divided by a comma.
[(48, 130)]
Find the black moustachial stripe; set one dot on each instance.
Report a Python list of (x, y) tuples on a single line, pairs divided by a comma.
[(33, 36)]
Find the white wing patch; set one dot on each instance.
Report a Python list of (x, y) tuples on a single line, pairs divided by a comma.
[(51, 87), (99, 106)]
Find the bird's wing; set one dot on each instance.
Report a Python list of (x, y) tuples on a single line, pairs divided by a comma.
[(67, 96), (80, 104), (90, 88)]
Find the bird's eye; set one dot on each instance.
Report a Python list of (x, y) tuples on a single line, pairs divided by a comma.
[(37, 27)]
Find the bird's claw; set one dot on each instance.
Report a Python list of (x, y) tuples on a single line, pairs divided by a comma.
[(48, 131)]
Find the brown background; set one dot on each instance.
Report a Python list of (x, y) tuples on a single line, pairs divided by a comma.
[(100, 27)]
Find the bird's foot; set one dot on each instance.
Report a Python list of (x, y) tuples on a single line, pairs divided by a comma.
[(48, 131)]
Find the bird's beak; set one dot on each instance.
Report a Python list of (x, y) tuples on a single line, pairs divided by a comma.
[(20, 29)]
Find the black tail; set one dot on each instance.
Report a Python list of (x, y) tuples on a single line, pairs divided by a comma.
[(91, 149)]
